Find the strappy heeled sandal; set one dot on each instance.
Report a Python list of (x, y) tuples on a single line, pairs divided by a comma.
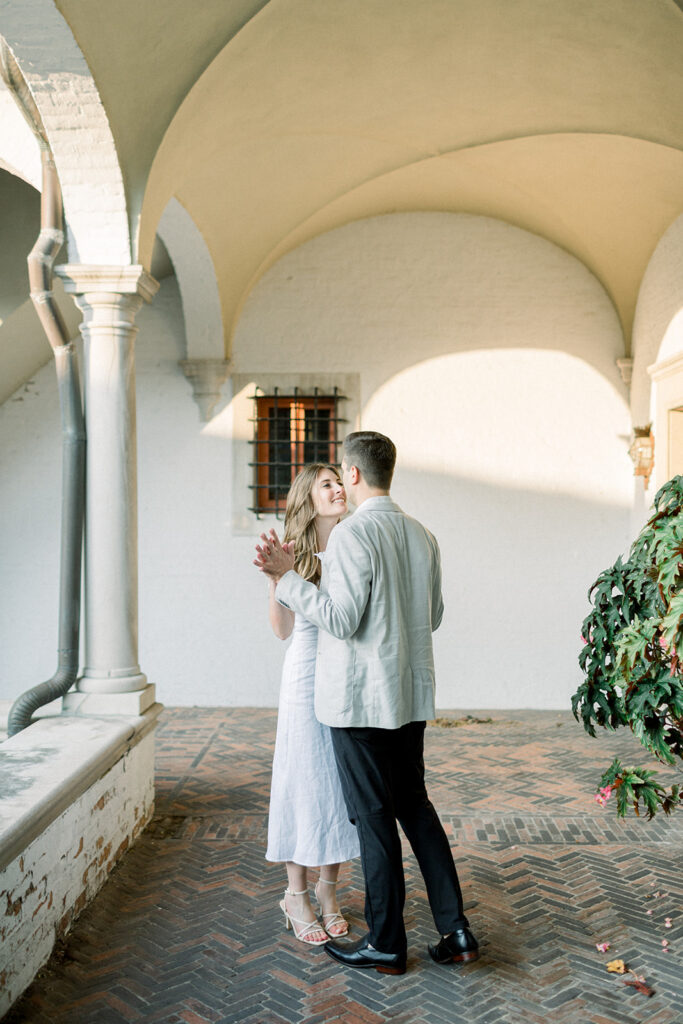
[(307, 928), (334, 919)]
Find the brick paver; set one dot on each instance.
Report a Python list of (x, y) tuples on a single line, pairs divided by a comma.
[(187, 929)]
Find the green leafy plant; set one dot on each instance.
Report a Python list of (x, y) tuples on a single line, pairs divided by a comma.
[(632, 656)]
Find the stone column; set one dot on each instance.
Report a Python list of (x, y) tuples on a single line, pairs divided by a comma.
[(110, 298)]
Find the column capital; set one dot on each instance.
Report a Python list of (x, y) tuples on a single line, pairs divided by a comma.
[(625, 366), (82, 279)]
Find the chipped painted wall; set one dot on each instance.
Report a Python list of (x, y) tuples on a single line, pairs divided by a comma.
[(45, 886)]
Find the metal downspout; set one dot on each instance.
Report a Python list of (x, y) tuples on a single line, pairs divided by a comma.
[(40, 267)]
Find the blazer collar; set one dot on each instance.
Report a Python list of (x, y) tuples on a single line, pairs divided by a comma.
[(383, 503)]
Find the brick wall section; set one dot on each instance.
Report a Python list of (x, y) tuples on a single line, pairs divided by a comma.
[(77, 127), (44, 889)]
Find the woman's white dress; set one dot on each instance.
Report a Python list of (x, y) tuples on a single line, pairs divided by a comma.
[(307, 821)]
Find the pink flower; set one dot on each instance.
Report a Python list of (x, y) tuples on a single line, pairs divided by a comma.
[(665, 943), (602, 947), (667, 922), (603, 795)]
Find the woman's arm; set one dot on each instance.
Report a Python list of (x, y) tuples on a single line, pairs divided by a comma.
[(281, 618), (348, 575)]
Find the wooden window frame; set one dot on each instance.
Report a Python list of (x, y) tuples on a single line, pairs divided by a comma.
[(269, 488)]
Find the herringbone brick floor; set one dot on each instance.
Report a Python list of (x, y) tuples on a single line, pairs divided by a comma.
[(187, 929)]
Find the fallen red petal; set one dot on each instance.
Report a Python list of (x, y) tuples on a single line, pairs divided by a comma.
[(641, 986)]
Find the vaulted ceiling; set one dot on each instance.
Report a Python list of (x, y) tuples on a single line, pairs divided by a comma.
[(274, 120)]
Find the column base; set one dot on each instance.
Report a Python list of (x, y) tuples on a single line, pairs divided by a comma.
[(133, 703), (126, 682)]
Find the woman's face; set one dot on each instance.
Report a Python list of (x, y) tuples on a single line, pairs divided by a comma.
[(328, 495)]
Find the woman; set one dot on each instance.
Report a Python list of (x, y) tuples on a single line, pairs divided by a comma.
[(307, 824)]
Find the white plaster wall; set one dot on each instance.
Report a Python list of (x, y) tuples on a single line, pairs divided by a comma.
[(195, 585), (487, 353), (523, 495), (30, 489), (198, 633), (489, 356)]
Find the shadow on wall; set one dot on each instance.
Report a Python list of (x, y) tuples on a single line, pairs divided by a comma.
[(517, 565)]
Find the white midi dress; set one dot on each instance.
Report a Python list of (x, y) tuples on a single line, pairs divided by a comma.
[(307, 821)]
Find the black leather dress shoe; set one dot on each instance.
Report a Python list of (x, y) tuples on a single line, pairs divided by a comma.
[(459, 947), (361, 954)]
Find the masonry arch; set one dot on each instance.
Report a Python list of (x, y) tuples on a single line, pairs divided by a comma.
[(425, 284), (658, 330), (204, 366), (197, 282), (657, 388), (77, 129), (489, 355)]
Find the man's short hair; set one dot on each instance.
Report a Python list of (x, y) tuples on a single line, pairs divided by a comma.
[(373, 454)]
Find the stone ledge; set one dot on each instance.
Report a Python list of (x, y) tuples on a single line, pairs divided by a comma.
[(49, 765)]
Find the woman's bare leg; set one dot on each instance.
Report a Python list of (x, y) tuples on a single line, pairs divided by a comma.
[(326, 892), (300, 906)]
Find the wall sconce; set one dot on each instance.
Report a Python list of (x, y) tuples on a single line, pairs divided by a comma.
[(642, 452)]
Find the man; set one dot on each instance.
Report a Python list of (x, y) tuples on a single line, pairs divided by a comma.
[(378, 603)]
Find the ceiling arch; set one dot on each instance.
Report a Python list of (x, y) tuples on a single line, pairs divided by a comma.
[(562, 119), (146, 65), (606, 199), (76, 127)]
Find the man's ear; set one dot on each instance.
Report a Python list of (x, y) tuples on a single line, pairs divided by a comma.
[(354, 473)]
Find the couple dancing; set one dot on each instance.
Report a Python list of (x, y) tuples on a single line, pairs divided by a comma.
[(361, 599)]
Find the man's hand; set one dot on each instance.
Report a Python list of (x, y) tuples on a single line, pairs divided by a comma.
[(273, 558)]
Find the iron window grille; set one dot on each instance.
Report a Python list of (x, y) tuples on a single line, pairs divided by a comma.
[(290, 430)]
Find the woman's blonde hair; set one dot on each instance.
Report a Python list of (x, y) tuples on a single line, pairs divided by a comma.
[(300, 516)]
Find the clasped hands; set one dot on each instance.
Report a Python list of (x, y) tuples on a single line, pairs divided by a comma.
[(273, 558)]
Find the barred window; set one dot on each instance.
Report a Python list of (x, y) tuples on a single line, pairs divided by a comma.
[(290, 430)]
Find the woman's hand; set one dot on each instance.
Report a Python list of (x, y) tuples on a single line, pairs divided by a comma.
[(273, 558)]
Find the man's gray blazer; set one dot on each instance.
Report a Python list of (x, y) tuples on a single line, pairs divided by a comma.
[(379, 600)]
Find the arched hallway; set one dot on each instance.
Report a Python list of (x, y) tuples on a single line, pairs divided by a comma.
[(187, 929), (463, 221)]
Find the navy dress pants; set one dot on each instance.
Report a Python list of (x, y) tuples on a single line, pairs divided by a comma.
[(382, 779)]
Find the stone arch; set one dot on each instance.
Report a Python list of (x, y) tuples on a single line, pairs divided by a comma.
[(658, 327), (77, 128), (359, 265), (657, 386), (205, 366), (197, 282)]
